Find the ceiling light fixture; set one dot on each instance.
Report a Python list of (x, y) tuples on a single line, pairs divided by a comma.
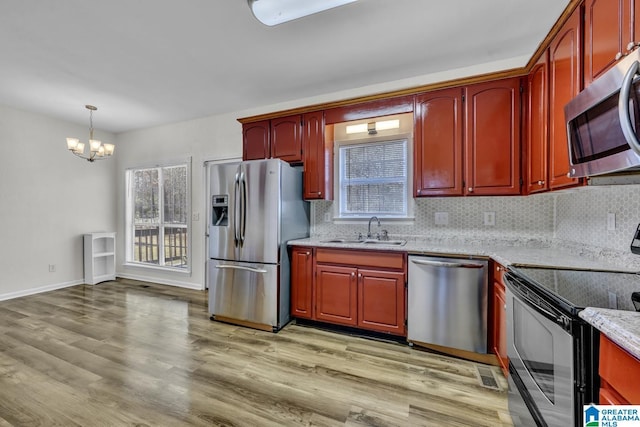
[(274, 12), (97, 150)]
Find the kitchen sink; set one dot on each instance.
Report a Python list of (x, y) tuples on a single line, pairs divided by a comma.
[(345, 241), (367, 242), (385, 242)]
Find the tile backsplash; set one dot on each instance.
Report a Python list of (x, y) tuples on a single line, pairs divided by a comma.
[(577, 218)]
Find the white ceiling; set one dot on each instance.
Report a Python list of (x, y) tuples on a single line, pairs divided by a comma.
[(150, 62)]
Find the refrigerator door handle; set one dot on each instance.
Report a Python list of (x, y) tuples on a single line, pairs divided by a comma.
[(236, 201), (243, 213), (241, 267)]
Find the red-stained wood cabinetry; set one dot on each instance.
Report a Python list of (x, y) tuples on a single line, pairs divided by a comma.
[(609, 28), (363, 289), (565, 82), (277, 138), (302, 282), (537, 118), (619, 372), (317, 157), (492, 138), (438, 143), (499, 324)]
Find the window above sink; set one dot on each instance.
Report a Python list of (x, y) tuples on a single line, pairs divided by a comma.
[(373, 164)]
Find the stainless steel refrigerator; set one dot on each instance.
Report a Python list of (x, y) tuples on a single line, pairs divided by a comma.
[(256, 208)]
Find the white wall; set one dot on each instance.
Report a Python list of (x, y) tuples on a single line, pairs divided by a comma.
[(49, 199)]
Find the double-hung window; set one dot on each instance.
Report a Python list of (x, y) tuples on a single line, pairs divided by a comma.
[(373, 179), (158, 206)]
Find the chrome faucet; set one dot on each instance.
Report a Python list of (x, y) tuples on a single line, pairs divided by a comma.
[(369, 235)]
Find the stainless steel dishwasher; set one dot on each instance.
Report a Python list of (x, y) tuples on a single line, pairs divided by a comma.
[(447, 302)]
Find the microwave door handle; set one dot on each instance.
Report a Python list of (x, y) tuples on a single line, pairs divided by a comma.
[(623, 108)]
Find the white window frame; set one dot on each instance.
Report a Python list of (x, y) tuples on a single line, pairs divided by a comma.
[(131, 223), (339, 213)]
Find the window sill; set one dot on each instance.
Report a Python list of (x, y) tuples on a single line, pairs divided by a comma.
[(365, 220), (158, 267)]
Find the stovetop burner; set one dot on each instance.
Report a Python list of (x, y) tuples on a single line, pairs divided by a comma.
[(579, 289)]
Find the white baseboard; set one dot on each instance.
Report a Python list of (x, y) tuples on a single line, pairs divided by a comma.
[(179, 284), (39, 290)]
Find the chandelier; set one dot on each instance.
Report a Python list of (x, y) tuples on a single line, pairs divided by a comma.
[(97, 150)]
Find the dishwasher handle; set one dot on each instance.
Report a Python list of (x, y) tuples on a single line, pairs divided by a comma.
[(446, 264)]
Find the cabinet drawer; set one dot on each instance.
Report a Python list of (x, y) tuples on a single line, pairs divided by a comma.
[(618, 368), (359, 258)]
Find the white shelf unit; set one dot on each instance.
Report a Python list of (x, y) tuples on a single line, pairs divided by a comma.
[(99, 257)]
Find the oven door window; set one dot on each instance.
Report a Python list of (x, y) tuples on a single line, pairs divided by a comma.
[(534, 343)]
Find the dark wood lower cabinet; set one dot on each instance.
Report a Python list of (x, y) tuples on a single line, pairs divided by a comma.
[(301, 280), (381, 301), (359, 289), (336, 295)]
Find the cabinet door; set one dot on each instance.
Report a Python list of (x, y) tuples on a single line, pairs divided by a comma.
[(381, 301), (500, 326), (492, 138), (317, 158), (336, 294), (537, 139), (607, 33), (564, 84), (301, 283), (255, 140), (286, 138), (438, 143)]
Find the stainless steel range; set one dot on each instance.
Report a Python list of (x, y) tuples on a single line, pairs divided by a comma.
[(552, 352)]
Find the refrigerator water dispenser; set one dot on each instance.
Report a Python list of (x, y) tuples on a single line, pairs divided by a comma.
[(220, 210)]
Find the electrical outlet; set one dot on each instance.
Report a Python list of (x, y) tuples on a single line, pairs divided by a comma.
[(490, 218), (611, 221), (441, 218), (613, 300), (327, 217), (52, 268)]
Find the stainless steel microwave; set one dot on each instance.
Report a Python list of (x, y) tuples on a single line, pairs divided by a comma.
[(603, 122)]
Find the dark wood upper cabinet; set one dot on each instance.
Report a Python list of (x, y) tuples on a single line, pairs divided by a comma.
[(492, 138), (256, 140), (438, 143), (286, 138), (565, 82), (608, 31), (537, 138), (317, 158)]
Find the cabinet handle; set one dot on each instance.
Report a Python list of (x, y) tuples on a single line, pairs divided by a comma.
[(619, 55), (320, 193), (418, 191), (504, 306), (360, 276), (540, 182), (470, 189), (499, 268), (307, 253), (353, 274)]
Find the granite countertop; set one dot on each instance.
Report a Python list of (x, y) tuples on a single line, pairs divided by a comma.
[(622, 327), (530, 254)]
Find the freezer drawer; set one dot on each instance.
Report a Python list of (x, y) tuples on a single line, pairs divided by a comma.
[(244, 292), (447, 302)]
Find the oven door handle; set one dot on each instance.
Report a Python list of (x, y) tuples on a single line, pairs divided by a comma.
[(537, 306), (623, 107)]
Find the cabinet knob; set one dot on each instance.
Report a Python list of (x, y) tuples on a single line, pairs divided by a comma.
[(320, 193), (360, 275), (353, 274), (504, 306), (499, 268), (619, 55), (418, 191), (307, 253), (540, 182), (470, 189)]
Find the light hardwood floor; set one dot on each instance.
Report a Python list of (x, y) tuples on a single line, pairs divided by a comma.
[(135, 353)]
